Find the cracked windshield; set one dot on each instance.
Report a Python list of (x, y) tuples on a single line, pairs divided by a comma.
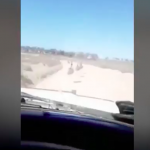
[(78, 52)]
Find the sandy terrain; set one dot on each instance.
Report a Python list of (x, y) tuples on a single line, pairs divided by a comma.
[(92, 81), (48, 72)]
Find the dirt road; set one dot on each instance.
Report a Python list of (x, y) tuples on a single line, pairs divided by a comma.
[(92, 81)]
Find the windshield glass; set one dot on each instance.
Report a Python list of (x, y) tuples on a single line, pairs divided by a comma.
[(77, 51)]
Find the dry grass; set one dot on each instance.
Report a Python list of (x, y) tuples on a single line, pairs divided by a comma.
[(45, 59), (25, 81), (34, 68), (26, 67)]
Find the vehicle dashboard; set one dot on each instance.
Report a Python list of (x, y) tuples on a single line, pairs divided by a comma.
[(74, 131)]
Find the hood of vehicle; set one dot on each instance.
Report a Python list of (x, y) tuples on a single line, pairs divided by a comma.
[(70, 98)]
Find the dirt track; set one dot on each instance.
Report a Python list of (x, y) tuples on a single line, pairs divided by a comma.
[(92, 81)]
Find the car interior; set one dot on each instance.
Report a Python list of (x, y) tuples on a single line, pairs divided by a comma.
[(58, 130)]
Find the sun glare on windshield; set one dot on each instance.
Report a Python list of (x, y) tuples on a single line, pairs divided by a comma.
[(78, 52)]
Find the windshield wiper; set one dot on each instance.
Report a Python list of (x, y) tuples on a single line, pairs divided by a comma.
[(124, 118), (29, 96), (126, 109), (29, 101)]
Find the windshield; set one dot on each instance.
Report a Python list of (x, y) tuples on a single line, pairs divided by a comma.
[(83, 48)]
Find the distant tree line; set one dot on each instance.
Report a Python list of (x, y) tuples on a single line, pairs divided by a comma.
[(54, 51), (58, 52)]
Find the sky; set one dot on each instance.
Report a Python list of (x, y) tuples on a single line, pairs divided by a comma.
[(104, 27)]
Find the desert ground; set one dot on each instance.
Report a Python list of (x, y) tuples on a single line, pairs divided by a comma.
[(100, 79)]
